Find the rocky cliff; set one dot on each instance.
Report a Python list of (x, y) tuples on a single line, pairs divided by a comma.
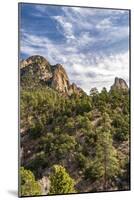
[(38, 69), (60, 80), (119, 83)]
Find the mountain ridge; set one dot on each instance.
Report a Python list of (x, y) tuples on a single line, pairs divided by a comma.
[(55, 76), (37, 69)]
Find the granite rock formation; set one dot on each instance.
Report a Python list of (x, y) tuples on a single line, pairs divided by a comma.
[(119, 84), (38, 69)]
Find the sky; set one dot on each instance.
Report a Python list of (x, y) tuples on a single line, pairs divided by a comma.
[(91, 43)]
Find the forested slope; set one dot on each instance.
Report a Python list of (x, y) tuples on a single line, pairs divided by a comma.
[(85, 136)]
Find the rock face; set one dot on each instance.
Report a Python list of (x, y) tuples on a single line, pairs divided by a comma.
[(38, 69), (36, 66), (119, 84), (45, 185), (73, 89), (60, 80)]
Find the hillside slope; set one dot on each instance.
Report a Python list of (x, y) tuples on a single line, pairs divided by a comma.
[(60, 124)]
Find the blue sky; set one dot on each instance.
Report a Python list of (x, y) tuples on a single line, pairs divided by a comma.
[(92, 44)]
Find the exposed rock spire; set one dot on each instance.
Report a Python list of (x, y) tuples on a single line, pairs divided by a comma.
[(119, 83)]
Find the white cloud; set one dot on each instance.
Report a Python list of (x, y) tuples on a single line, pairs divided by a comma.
[(77, 25), (65, 28), (87, 70), (40, 8), (102, 73), (86, 67), (104, 24)]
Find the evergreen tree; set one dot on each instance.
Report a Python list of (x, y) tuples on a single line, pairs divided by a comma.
[(105, 165)]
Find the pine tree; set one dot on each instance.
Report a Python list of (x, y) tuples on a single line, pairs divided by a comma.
[(105, 165)]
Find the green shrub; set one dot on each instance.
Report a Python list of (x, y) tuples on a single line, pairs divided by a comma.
[(28, 185), (61, 182)]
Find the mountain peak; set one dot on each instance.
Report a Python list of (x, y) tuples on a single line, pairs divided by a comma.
[(119, 83), (36, 59), (38, 68)]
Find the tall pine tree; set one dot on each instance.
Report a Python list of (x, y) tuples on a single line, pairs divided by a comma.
[(105, 165)]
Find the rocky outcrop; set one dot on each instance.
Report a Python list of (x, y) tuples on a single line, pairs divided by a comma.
[(60, 80), (45, 185), (73, 89), (119, 84), (38, 69)]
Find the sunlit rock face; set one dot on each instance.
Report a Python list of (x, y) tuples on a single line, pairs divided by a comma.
[(60, 80), (38, 69)]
